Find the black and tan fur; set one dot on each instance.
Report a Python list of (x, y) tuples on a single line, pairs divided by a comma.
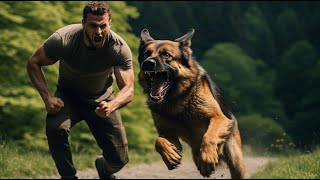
[(187, 105)]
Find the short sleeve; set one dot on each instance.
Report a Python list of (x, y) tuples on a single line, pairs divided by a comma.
[(124, 59), (53, 46)]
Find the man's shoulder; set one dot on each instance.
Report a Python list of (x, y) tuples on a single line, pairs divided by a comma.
[(117, 39), (69, 30), (70, 35)]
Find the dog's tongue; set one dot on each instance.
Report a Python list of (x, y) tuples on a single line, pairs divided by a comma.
[(157, 86)]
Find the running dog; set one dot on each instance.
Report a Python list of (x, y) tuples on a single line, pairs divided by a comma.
[(186, 104)]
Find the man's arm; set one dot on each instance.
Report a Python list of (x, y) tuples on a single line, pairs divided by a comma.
[(34, 68), (125, 82)]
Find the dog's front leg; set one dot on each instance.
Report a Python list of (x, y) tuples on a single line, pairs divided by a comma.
[(217, 132), (170, 150)]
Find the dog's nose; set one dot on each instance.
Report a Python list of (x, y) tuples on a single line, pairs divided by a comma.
[(148, 65)]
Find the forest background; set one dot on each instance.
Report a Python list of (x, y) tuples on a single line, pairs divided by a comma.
[(263, 55)]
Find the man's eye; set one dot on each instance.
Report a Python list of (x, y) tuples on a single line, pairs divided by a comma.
[(103, 26)]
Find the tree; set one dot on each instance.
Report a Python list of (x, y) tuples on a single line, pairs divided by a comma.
[(157, 18), (247, 83), (255, 36), (296, 86), (289, 28)]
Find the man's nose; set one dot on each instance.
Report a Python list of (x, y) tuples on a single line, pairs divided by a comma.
[(98, 30)]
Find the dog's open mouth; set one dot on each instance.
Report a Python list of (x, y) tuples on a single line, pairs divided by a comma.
[(159, 85)]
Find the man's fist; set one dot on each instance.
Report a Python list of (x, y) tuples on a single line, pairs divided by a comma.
[(54, 105), (104, 109)]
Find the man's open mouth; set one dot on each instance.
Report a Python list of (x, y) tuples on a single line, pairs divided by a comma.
[(97, 39), (159, 83)]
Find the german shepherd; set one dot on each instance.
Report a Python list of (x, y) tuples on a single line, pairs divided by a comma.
[(186, 104)]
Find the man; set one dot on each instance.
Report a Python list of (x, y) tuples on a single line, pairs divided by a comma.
[(90, 55)]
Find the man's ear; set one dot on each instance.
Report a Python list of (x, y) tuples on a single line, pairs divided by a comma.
[(145, 36), (185, 40)]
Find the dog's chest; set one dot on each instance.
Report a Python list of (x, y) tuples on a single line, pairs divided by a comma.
[(191, 107), (190, 113)]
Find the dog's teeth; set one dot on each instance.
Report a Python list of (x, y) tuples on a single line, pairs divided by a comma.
[(154, 97)]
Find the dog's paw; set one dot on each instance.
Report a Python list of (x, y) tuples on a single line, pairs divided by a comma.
[(169, 153), (208, 159), (172, 157)]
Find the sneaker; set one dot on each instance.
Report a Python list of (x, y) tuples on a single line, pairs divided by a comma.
[(101, 167)]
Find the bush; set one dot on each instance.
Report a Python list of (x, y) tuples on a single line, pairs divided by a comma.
[(263, 133)]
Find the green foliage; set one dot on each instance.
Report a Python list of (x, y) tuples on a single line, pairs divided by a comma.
[(289, 29), (6, 17), (243, 80), (247, 85), (263, 133), (296, 86), (159, 21), (72, 11), (298, 166), (21, 113), (256, 36), (23, 166)]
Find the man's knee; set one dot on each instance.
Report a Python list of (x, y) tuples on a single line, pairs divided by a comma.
[(62, 130), (117, 161)]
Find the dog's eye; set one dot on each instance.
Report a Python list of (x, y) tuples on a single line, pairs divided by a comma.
[(165, 54), (146, 55)]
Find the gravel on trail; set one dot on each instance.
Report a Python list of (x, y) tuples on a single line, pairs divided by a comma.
[(186, 170)]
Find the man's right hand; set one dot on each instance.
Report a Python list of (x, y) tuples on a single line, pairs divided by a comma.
[(54, 105)]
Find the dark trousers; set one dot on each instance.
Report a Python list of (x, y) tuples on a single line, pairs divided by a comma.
[(109, 133)]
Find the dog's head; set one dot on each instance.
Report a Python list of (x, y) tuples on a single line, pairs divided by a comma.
[(166, 66)]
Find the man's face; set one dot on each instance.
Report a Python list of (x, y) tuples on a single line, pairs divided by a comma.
[(96, 29)]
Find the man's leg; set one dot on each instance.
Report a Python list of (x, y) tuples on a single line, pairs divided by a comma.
[(111, 137), (57, 130)]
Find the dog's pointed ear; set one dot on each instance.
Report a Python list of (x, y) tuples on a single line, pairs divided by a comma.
[(186, 39), (145, 36)]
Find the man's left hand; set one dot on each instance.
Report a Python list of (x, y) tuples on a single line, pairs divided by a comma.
[(104, 109)]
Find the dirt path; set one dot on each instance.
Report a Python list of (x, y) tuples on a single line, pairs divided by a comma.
[(187, 170)]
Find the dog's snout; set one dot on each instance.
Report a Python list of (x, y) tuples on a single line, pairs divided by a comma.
[(148, 65)]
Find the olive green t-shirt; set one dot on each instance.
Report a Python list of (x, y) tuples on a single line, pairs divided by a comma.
[(82, 70)]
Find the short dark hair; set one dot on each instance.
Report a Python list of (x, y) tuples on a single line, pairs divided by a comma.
[(97, 8)]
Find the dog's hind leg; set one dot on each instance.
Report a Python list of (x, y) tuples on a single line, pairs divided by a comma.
[(170, 150), (233, 154)]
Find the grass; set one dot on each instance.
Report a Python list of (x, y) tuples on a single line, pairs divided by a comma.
[(17, 162), (298, 166)]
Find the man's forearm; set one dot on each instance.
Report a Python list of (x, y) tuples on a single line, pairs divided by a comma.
[(37, 78), (123, 97)]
